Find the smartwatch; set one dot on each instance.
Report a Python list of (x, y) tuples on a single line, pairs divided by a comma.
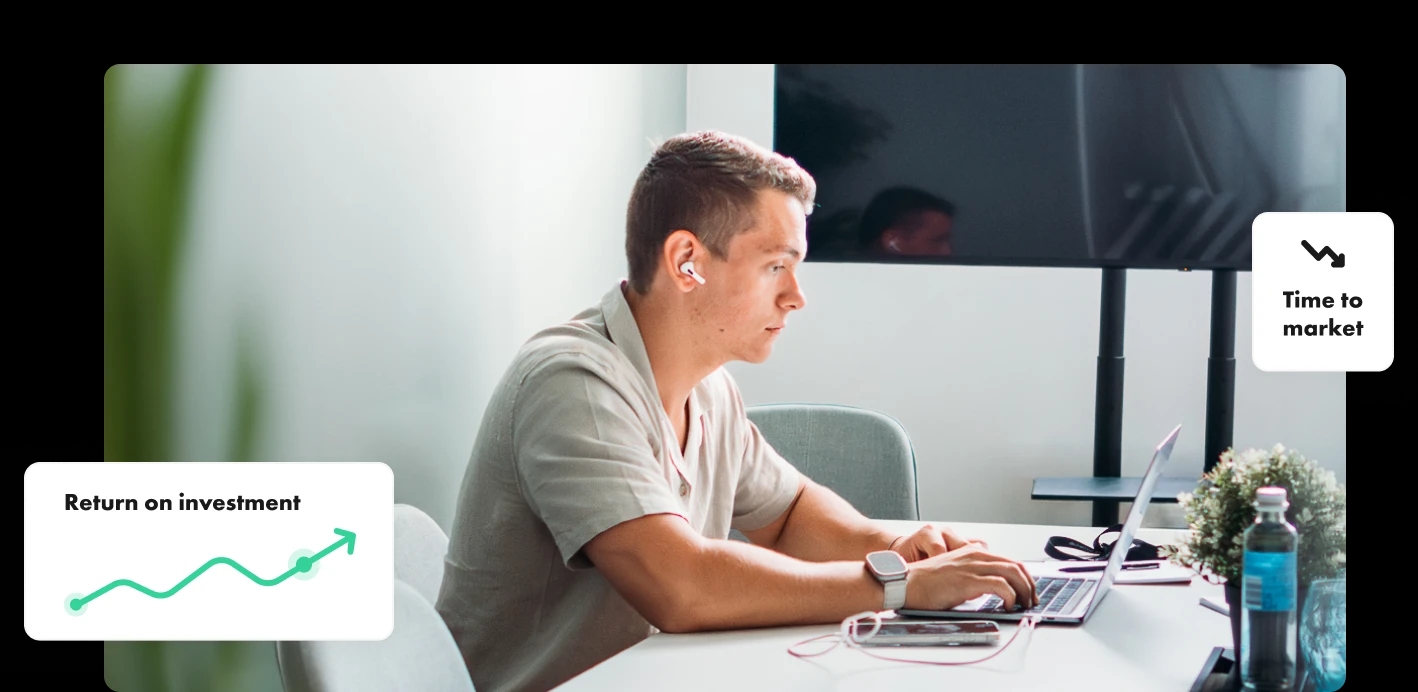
[(889, 568)]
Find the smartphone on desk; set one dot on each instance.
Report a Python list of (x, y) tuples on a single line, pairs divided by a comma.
[(931, 633)]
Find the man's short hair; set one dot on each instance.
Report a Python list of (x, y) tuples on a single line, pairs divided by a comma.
[(890, 205), (706, 183)]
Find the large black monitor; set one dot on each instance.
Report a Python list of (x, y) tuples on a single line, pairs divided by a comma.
[(1130, 166)]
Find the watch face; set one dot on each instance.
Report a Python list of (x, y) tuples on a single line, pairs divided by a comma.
[(886, 563)]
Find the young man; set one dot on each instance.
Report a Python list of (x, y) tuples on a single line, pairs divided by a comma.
[(615, 455)]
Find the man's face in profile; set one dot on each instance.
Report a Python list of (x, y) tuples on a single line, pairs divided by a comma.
[(923, 232), (751, 292)]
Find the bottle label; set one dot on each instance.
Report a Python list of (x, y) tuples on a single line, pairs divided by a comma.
[(1269, 581)]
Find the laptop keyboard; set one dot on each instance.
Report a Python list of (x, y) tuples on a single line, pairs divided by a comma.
[(1054, 594)]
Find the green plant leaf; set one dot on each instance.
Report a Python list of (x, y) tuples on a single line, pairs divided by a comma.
[(147, 162)]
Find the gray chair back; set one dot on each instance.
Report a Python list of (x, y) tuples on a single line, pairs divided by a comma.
[(419, 548), (420, 655), (862, 455)]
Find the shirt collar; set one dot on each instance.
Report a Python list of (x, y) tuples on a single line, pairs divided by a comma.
[(623, 331)]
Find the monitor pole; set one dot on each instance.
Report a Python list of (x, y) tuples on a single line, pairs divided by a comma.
[(1220, 380), (1108, 400), (1221, 367)]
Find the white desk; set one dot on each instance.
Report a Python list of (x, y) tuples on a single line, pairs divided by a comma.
[(1141, 637)]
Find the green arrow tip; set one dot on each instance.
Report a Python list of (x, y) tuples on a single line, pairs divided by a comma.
[(349, 538)]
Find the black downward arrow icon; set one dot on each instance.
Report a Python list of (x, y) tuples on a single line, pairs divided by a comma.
[(1338, 259)]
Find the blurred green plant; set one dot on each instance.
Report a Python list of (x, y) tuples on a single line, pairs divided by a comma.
[(150, 127), (147, 156)]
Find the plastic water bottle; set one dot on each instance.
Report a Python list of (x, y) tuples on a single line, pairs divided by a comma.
[(1268, 619)]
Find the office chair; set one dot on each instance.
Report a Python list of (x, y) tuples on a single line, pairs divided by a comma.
[(419, 655), (419, 548), (862, 455)]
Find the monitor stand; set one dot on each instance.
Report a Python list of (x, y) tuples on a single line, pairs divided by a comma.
[(1221, 367), (1106, 488)]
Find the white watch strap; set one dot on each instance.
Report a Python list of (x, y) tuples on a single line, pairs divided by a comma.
[(895, 594)]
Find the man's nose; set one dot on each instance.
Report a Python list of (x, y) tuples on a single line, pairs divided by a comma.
[(794, 299)]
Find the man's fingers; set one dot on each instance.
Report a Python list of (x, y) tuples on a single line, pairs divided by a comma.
[(1029, 579), (932, 543), (998, 586), (1023, 583), (1019, 579), (974, 552), (954, 541)]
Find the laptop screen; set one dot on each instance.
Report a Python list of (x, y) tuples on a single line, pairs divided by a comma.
[(1139, 507)]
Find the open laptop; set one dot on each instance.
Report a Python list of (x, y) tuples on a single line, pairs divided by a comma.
[(1068, 598)]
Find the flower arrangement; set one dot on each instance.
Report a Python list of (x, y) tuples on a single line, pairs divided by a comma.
[(1221, 509)]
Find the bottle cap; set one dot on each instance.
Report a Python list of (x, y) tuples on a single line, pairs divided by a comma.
[(1271, 498)]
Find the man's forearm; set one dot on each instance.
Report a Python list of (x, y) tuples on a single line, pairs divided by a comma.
[(823, 527), (748, 586)]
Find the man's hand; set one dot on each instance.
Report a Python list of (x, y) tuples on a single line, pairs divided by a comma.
[(950, 578), (929, 541)]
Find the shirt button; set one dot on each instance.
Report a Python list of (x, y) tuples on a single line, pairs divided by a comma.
[(683, 489)]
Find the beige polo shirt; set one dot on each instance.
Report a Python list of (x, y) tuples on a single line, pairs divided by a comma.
[(575, 441)]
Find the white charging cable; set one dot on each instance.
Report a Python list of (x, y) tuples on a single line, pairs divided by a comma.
[(848, 635)]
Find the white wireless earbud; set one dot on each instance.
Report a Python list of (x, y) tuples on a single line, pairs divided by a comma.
[(688, 268), (892, 244)]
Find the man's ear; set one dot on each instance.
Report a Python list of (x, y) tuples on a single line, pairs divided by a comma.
[(682, 246)]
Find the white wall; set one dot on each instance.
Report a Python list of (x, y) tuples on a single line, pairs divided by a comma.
[(992, 370), (391, 236)]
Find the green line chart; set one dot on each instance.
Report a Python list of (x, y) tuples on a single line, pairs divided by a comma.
[(302, 565)]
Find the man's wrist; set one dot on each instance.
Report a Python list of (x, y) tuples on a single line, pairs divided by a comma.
[(912, 589), (892, 573)]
